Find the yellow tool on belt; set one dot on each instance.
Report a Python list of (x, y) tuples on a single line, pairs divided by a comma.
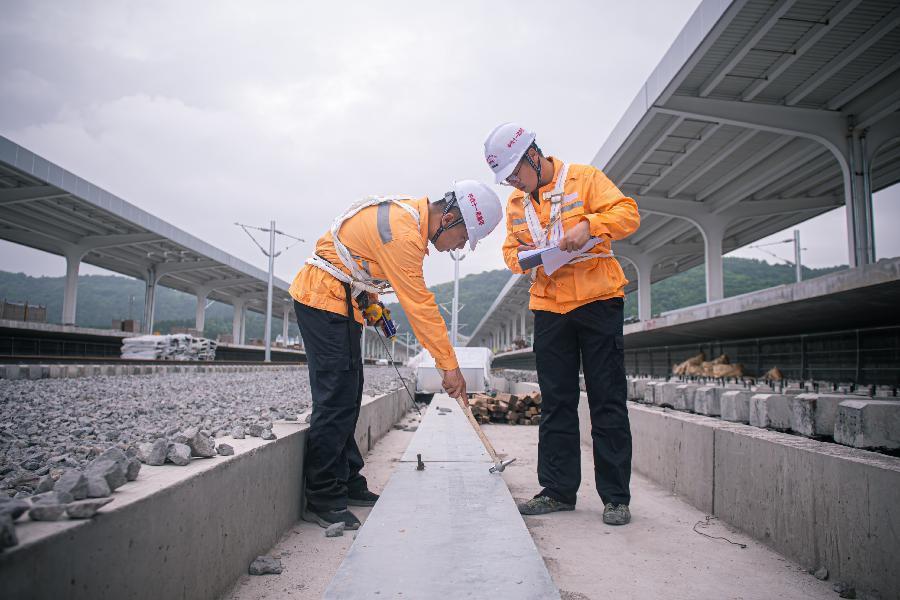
[(377, 314)]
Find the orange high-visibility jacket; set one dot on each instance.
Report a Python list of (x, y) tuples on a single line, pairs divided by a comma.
[(611, 216), (395, 256)]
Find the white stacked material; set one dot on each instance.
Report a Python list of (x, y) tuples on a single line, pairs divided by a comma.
[(179, 346)]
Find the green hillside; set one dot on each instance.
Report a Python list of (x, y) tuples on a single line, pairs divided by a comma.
[(102, 298)]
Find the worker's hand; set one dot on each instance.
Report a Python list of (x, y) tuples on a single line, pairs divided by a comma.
[(525, 247), (454, 383), (576, 237)]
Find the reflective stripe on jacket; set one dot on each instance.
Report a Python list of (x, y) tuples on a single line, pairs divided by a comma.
[(385, 240)]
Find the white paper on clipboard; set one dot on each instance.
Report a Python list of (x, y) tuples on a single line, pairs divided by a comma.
[(552, 257)]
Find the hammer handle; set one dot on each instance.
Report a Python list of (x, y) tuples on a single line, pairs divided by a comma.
[(464, 405)]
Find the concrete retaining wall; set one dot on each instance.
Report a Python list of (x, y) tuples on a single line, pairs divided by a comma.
[(179, 532), (67, 371), (818, 503)]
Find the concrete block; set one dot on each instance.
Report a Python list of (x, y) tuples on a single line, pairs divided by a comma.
[(770, 411), (524, 387), (637, 392), (868, 424), (665, 393), (649, 392), (684, 396), (15, 372), (735, 405), (38, 371), (707, 400), (814, 414)]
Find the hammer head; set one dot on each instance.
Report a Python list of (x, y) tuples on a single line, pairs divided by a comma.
[(501, 466)]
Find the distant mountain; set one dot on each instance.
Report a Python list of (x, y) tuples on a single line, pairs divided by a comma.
[(102, 298)]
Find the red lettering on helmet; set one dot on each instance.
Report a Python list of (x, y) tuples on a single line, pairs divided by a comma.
[(492, 161), (478, 216), (515, 137)]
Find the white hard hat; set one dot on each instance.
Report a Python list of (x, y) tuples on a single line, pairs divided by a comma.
[(480, 208), (505, 147)]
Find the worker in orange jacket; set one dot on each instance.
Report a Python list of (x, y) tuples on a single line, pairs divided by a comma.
[(378, 244), (577, 314)]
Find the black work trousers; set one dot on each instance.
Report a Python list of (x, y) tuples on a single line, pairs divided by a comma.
[(589, 336), (333, 460)]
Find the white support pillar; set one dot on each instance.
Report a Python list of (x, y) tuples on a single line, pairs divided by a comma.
[(713, 233), (237, 321), (243, 338), (70, 295), (524, 325), (149, 299), (200, 311), (363, 345), (859, 202), (285, 323), (644, 290)]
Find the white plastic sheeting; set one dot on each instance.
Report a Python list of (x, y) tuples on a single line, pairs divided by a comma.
[(179, 346), (474, 362)]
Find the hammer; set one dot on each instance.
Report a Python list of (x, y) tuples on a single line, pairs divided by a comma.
[(499, 465)]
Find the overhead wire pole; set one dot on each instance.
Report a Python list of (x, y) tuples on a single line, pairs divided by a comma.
[(272, 255), (454, 314), (797, 264)]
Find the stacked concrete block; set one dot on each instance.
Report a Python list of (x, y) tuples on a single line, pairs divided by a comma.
[(813, 415), (707, 400), (772, 411), (637, 389), (665, 393), (868, 424), (649, 392), (684, 396), (735, 405)]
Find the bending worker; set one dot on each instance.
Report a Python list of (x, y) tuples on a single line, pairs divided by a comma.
[(577, 315), (377, 244)]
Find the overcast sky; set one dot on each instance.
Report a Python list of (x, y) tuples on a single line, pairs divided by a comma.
[(207, 113)]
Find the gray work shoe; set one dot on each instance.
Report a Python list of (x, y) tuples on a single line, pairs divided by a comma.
[(326, 518), (362, 498), (541, 505), (616, 514)]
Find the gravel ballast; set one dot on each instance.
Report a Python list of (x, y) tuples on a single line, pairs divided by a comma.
[(50, 425)]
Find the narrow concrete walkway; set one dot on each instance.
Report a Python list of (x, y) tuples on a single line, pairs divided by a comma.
[(657, 556), (310, 559)]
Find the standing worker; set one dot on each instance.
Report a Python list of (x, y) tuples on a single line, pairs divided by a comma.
[(379, 243), (577, 315)]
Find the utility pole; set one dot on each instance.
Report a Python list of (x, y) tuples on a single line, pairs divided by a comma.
[(272, 255), (797, 263), (454, 314)]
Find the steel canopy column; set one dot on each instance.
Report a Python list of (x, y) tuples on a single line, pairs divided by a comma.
[(859, 202), (70, 295)]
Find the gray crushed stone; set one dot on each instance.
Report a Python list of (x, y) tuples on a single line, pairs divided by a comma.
[(85, 509), (335, 530), (225, 450), (46, 512), (50, 425), (265, 565)]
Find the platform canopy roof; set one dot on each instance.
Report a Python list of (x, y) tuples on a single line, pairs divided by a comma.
[(744, 123), (49, 208)]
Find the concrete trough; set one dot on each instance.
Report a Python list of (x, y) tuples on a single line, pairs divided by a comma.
[(179, 532), (868, 424), (818, 503)]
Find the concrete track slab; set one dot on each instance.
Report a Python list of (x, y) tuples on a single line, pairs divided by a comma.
[(447, 438), (657, 555), (451, 530)]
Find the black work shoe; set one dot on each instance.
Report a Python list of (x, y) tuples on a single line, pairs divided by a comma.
[(616, 514), (541, 505), (362, 498), (325, 518)]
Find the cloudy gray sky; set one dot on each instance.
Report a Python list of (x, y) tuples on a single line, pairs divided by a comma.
[(207, 113)]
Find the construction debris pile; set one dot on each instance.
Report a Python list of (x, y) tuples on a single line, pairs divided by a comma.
[(514, 409), (719, 368), (178, 346)]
